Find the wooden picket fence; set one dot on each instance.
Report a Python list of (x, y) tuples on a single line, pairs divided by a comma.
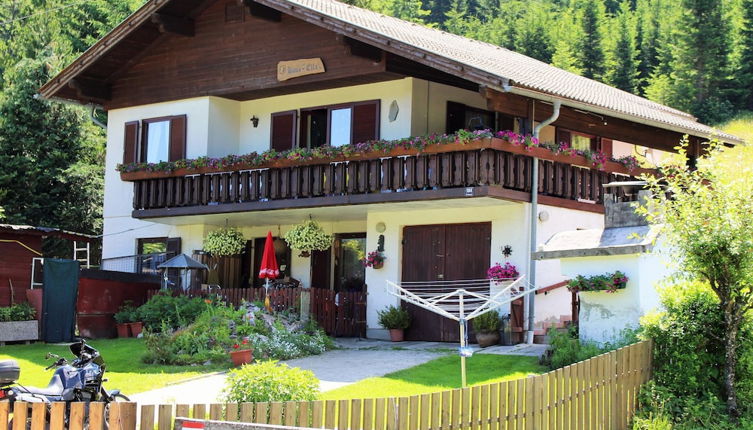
[(599, 393)]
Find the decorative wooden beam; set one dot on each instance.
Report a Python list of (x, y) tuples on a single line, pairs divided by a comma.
[(363, 50), (261, 11), (174, 24), (92, 89)]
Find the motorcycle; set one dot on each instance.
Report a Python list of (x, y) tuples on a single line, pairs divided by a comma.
[(77, 381)]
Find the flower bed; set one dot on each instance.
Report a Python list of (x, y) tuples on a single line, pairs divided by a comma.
[(505, 140), (210, 336), (17, 323), (609, 282)]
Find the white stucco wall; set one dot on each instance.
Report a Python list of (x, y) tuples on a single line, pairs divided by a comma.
[(554, 305), (604, 315)]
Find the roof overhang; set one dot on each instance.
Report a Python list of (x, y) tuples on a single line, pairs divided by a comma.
[(71, 84)]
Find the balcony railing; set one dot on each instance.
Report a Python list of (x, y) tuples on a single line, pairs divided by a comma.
[(457, 171)]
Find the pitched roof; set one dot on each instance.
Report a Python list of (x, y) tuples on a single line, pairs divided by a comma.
[(480, 62)]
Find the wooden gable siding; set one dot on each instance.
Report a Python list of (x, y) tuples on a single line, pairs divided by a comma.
[(238, 58)]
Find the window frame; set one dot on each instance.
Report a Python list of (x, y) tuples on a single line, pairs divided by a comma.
[(303, 134), (143, 144)]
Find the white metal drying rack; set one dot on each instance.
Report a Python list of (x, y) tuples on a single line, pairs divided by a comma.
[(466, 300)]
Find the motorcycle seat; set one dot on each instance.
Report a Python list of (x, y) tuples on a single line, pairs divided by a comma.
[(55, 389)]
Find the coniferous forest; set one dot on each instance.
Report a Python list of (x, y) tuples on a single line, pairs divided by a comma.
[(695, 55)]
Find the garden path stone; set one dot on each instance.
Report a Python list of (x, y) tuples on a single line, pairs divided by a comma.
[(334, 369)]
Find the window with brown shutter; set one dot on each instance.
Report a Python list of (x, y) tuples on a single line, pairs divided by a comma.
[(131, 142), (163, 139), (365, 121), (283, 130)]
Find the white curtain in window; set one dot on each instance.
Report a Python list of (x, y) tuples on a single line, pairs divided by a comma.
[(340, 124), (158, 141)]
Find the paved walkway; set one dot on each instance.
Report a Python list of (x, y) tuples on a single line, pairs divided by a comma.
[(357, 359)]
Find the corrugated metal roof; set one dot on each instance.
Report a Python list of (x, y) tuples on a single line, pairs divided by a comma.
[(523, 71)]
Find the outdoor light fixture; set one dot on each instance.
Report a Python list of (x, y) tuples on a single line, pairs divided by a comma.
[(381, 227), (255, 121)]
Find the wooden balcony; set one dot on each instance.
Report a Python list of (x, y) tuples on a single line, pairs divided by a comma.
[(486, 168)]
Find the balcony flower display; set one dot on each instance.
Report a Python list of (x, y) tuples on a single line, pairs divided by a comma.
[(417, 143), (502, 272), (609, 282), (374, 259), (308, 236)]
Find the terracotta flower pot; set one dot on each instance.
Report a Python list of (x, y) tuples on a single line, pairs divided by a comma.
[(378, 265), (241, 356), (123, 330), (397, 334), (487, 339), (136, 328)]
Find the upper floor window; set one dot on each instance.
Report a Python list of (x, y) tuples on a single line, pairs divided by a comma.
[(154, 140), (464, 117), (334, 125)]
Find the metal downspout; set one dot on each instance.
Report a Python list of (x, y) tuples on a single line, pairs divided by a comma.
[(535, 222)]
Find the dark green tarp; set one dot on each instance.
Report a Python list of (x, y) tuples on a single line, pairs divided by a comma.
[(59, 303)]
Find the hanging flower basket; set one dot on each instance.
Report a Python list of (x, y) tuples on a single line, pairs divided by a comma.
[(224, 242), (308, 236), (374, 260)]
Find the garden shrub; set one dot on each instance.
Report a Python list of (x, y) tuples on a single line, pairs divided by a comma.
[(270, 381), (565, 348), (688, 383), (18, 312), (176, 311)]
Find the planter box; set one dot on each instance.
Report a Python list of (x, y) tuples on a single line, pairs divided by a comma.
[(19, 330), (483, 143)]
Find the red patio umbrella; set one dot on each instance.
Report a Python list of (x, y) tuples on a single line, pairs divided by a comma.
[(269, 269)]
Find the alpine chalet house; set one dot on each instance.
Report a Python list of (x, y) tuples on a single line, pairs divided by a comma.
[(204, 90)]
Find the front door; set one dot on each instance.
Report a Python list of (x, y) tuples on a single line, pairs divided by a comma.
[(448, 252)]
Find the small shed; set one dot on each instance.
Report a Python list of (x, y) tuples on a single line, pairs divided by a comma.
[(20, 246), (628, 244)]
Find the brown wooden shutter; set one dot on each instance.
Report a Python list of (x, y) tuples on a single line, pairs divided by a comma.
[(177, 149), (365, 121), (131, 142), (283, 130)]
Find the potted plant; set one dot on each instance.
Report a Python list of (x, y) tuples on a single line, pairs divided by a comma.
[(502, 272), (396, 320), (374, 260), (609, 282), (122, 319), (224, 242), (241, 354), (308, 236), (135, 325), (487, 328), (17, 323)]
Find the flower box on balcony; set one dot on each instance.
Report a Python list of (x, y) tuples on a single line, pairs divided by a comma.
[(435, 148)]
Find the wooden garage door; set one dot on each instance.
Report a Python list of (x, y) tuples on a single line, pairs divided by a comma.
[(442, 252)]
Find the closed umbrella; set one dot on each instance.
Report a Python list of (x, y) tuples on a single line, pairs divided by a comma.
[(269, 269)]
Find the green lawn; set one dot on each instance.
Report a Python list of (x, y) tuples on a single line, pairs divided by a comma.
[(125, 370), (440, 374)]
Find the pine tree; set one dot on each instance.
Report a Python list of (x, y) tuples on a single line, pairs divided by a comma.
[(408, 10), (700, 66), (590, 52), (533, 37), (51, 155), (744, 75), (623, 71)]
